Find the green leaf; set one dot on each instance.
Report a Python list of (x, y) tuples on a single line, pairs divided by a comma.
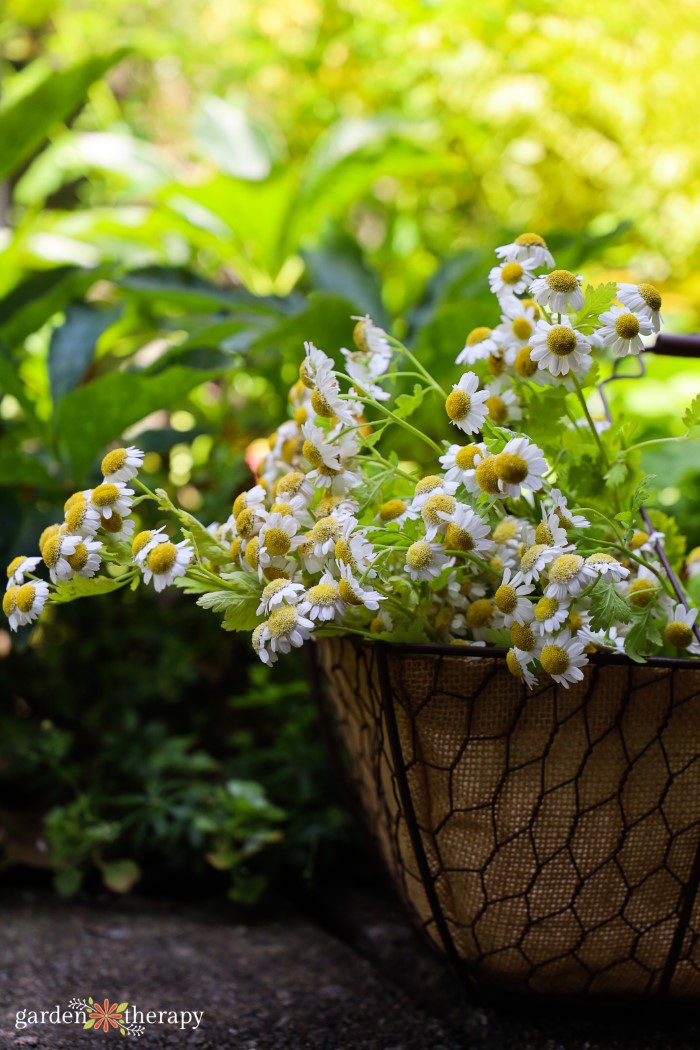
[(25, 124), (78, 587), (68, 881), (691, 416), (340, 266), (94, 414), (607, 607), (643, 636), (35, 301), (207, 546), (72, 346), (18, 468), (120, 876), (218, 601), (596, 300), (406, 404), (642, 492), (243, 616), (89, 1024), (617, 474)]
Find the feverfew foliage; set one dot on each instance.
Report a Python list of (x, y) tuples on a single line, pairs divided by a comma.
[(527, 530)]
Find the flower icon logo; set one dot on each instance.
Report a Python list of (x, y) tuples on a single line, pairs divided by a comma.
[(107, 1016)]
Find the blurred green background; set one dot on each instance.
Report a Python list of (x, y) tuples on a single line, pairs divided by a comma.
[(187, 192)]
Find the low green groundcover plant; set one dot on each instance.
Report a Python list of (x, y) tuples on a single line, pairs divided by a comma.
[(528, 534)]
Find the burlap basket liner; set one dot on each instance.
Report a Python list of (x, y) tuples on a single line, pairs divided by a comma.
[(547, 842)]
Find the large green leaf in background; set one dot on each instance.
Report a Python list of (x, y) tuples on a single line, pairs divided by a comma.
[(33, 302), (72, 346), (25, 123)]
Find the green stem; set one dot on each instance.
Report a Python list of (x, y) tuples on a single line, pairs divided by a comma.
[(402, 423), (589, 418), (414, 361), (661, 441)]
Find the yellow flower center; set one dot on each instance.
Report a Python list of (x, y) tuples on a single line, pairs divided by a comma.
[(305, 374), (114, 461), (466, 455), (311, 454), (320, 405), (112, 524), (675, 633), (376, 626), (511, 273), (326, 505), (531, 557), (289, 449), (443, 619), (245, 523), (457, 539), (650, 295), (626, 326), (9, 600), (282, 508), (256, 639), (513, 664), (504, 531), (301, 415), (505, 598), (14, 565), (78, 560), (561, 340), (359, 336), (545, 608), (235, 548), (498, 410), (282, 621), (565, 568), (480, 613), (522, 637), (251, 552), (393, 508), (277, 541), (434, 504), (543, 534), (77, 497), (566, 523), (575, 622), (458, 405), (495, 364), (477, 335), (140, 541), (486, 475), (325, 529), (343, 554), (323, 594), (427, 484), (290, 484), (554, 659), (296, 392), (522, 328), (641, 592), (638, 540), (105, 495), (530, 240), (562, 281), (25, 597), (75, 515), (511, 468), (49, 532), (419, 555), (524, 365), (599, 559), (239, 504), (347, 594), (162, 558), (272, 573), (51, 551), (272, 588)]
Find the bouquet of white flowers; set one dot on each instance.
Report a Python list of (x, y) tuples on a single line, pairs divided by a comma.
[(529, 532)]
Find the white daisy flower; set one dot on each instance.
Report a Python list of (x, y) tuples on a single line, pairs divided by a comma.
[(354, 549), (251, 499), (22, 603), (260, 640), (327, 402), (166, 561), (354, 593), (480, 616), (285, 628), (81, 517), (363, 379), (517, 325), (510, 599), (568, 575), (562, 657), (559, 290), (679, 631), (520, 464), (529, 249), (550, 615), (605, 565), (480, 343), (466, 531), (56, 551), (526, 637), (432, 485), (323, 601), (465, 404), (276, 538), (560, 348), (611, 640), (643, 300), (517, 663), (459, 462), (622, 331), (85, 560), (551, 531), (536, 559), (122, 464), (118, 528), (502, 403), (112, 498), (315, 365), (17, 569), (294, 485), (566, 517), (279, 592), (436, 511), (325, 535), (370, 338), (425, 560), (397, 511), (510, 278), (144, 542)]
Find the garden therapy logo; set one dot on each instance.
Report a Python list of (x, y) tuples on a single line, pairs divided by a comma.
[(107, 1017)]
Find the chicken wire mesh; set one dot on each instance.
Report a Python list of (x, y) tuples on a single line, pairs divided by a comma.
[(548, 843)]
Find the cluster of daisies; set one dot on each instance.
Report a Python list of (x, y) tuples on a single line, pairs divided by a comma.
[(336, 538)]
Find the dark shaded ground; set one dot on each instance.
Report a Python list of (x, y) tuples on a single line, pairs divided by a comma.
[(286, 984)]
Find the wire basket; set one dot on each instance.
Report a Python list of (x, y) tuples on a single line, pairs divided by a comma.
[(548, 843)]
